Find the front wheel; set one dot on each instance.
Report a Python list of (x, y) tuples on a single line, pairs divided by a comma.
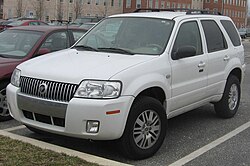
[(228, 105), (145, 129), (4, 111)]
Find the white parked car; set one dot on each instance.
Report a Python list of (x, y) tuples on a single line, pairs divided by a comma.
[(128, 75)]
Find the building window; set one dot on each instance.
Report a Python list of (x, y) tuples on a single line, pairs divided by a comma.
[(215, 1), (162, 4), (47, 18), (61, 0), (97, 2), (173, 5), (89, 1), (138, 4), (168, 5), (150, 3), (128, 3), (157, 4), (112, 2), (70, 1), (207, 1), (70, 17), (120, 3)]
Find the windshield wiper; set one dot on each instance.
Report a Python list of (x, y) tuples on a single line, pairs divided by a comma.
[(117, 50), (84, 47)]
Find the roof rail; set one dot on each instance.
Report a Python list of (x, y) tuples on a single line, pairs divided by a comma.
[(188, 11)]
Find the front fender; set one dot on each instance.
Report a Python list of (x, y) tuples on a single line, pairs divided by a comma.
[(143, 82)]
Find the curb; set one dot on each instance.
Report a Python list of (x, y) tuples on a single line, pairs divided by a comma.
[(59, 149)]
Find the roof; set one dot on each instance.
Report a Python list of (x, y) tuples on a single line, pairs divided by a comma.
[(166, 14), (46, 28)]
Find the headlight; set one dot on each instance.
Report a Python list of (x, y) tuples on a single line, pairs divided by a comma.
[(15, 78), (99, 89)]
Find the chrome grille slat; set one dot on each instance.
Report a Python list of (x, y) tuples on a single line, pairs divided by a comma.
[(57, 91)]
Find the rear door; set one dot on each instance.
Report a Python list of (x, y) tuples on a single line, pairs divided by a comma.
[(220, 51)]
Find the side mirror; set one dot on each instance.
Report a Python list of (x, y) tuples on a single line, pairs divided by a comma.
[(184, 52), (42, 51)]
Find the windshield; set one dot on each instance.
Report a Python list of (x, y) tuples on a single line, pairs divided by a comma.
[(17, 43), (133, 35)]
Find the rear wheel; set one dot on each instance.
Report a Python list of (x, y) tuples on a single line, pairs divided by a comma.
[(4, 111), (145, 129), (228, 105)]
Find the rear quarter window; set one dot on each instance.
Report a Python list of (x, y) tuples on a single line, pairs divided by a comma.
[(232, 32), (214, 37)]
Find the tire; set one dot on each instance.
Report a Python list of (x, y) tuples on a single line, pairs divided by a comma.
[(4, 111), (228, 105), (149, 117)]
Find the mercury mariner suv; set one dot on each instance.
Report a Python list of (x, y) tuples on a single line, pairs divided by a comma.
[(128, 75)]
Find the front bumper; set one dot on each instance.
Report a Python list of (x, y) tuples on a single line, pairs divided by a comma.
[(77, 112)]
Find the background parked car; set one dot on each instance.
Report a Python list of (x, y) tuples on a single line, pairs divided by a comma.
[(87, 25), (80, 21), (19, 44), (15, 23), (243, 32)]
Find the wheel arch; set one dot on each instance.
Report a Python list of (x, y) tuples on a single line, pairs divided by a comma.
[(236, 72)]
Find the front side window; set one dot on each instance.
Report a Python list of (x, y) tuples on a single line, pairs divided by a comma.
[(135, 35), (17, 43), (214, 37), (188, 35)]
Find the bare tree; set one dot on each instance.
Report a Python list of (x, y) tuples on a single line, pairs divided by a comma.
[(78, 8), (104, 9), (39, 8), (19, 8), (59, 11)]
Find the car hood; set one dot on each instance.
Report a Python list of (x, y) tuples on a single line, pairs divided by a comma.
[(73, 66), (8, 60)]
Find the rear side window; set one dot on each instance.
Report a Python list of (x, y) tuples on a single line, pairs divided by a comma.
[(214, 37), (231, 31)]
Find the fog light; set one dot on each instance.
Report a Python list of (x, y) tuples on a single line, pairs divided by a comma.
[(92, 126)]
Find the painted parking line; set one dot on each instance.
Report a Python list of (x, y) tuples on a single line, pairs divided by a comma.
[(211, 145), (15, 128), (59, 149)]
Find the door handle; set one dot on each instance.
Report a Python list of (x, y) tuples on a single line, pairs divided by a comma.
[(226, 58), (201, 64)]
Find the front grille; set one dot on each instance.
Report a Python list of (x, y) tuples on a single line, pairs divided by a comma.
[(57, 91), (44, 118)]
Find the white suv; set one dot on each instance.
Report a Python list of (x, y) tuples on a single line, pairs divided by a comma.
[(128, 75)]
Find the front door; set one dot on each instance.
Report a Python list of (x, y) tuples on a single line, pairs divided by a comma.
[(189, 74)]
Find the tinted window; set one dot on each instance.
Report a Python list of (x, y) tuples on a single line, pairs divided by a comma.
[(77, 35), (231, 31), (188, 35), (214, 37), (56, 41)]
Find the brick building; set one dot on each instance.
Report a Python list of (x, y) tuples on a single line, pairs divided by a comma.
[(236, 9), (131, 5), (47, 10)]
